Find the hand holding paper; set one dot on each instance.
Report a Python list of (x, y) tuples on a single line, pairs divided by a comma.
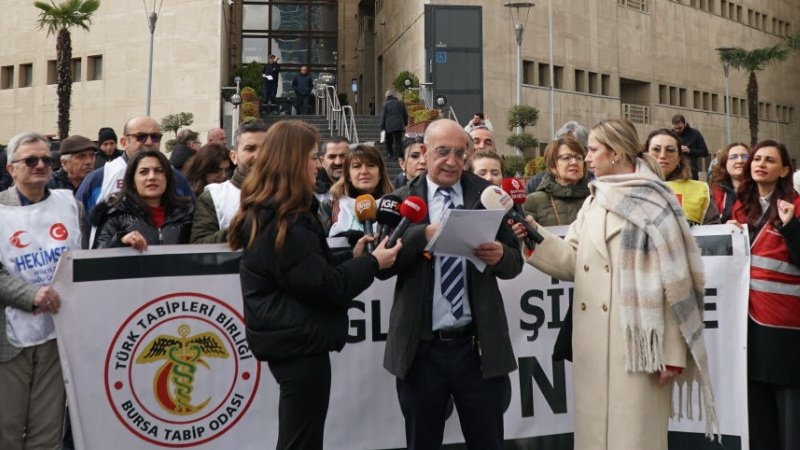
[(467, 233)]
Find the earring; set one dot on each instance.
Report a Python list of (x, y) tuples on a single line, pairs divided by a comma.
[(613, 162)]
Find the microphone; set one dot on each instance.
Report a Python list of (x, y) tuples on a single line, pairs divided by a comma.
[(413, 209), (516, 190), (388, 215), (495, 198), (365, 213)]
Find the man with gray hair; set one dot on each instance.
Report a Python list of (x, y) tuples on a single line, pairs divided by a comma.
[(219, 203), (77, 155), (571, 128), (39, 225), (394, 117), (217, 136)]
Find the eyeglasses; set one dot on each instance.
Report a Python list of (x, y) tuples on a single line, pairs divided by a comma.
[(743, 156), (443, 152), (142, 137), (569, 157), (33, 161)]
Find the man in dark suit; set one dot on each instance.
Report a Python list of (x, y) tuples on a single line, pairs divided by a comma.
[(448, 332)]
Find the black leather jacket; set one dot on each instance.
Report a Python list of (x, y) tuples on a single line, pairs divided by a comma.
[(115, 219)]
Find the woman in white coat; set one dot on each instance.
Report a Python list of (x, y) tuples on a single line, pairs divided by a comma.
[(634, 263)]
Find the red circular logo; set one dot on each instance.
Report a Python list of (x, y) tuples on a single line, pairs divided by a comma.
[(59, 232)]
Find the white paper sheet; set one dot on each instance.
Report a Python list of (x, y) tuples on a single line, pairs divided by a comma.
[(461, 230)]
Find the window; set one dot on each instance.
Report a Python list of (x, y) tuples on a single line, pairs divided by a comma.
[(715, 102), (638, 5), (663, 94), (673, 96), (682, 97), (558, 74), (52, 73), (605, 84), (25, 75), (94, 68), (697, 100), (6, 77), (580, 80), (76, 70), (528, 72), (544, 75), (594, 88)]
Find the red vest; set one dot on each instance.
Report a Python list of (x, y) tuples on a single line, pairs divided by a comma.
[(774, 278)]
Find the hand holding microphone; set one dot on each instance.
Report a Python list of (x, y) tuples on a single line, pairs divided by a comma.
[(516, 190), (495, 198), (366, 209), (413, 209)]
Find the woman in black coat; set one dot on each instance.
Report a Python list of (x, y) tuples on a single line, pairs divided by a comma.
[(295, 293), (147, 211)]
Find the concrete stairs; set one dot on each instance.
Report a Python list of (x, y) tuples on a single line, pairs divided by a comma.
[(368, 133)]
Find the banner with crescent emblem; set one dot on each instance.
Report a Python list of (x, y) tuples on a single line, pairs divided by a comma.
[(154, 356)]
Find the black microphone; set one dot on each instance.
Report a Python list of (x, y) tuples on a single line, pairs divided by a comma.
[(495, 198), (388, 215), (413, 209)]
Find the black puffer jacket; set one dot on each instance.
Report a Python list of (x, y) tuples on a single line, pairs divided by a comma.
[(116, 218), (296, 299)]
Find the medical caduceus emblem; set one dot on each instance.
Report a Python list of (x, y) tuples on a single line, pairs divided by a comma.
[(174, 380)]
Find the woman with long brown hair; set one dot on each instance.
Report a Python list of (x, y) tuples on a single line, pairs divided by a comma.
[(295, 293), (769, 206), (211, 164), (727, 176), (363, 173)]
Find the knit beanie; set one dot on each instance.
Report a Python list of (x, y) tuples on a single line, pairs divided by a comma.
[(106, 134)]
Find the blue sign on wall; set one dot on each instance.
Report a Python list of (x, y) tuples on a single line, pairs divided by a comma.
[(441, 57)]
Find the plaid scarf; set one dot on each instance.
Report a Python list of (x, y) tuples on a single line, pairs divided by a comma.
[(659, 261)]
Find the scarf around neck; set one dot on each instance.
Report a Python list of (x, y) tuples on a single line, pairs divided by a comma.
[(659, 262)]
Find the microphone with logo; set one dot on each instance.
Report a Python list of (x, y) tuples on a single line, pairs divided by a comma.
[(366, 209), (413, 209), (388, 215), (495, 198), (516, 190)]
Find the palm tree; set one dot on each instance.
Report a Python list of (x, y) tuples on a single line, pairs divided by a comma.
[(58, 19), (752, 61)]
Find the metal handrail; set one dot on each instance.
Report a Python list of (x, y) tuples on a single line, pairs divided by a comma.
[(339, 121), (448, 113), (350, 128)]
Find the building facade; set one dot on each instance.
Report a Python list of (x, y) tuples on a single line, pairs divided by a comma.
[(643, 59), (110, 67)]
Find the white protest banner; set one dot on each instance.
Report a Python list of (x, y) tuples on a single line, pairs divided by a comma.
[(122, 356)]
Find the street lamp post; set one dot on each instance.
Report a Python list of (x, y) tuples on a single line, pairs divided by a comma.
[(725, 70), (519, 28), (519, 21), (152, 18)]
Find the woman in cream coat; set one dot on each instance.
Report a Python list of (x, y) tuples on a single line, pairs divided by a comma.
[(627, 344)]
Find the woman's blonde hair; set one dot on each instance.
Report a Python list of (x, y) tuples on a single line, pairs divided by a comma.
[(620, 136), (278, 178)]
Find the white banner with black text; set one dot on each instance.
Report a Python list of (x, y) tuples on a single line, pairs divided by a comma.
[(154, 356)]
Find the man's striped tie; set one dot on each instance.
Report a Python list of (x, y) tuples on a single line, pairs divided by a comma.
[(452, 270)]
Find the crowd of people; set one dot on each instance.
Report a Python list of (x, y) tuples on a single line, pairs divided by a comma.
[(634, 327)]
